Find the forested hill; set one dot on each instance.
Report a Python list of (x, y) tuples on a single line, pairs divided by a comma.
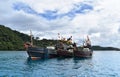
[(10, 39), (105, 48)]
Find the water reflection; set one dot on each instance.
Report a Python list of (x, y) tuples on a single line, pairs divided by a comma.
[(102, 64), (33, 63), (71, 67)]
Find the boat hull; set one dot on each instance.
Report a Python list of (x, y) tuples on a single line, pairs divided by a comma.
[(79, 54), (64, 53), (39, 53), (44, 53), (83, 54)]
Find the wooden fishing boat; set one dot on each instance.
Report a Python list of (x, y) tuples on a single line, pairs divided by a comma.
[(35, 52), (41, 53), (85, 51)]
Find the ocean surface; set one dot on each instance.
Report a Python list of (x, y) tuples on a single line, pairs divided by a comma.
[(102, 64)]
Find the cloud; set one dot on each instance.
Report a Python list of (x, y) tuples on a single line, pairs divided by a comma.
[(79, 18), (54, 14), (22, 6)]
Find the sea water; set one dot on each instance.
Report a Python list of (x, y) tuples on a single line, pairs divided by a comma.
[(102, 64)]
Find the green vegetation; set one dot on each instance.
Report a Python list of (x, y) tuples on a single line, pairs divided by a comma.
[(9, 40), (14, 40)]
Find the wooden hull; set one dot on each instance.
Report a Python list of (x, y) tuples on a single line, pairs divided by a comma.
[(79, 54), (40, 53), (83, 54), (64, 53)]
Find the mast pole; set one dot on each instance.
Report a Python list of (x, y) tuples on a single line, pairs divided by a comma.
[(31, 38)]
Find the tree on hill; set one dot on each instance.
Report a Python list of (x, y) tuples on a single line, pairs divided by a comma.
[(9, 40)]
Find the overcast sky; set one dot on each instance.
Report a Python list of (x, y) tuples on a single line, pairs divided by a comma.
[(100, 19)]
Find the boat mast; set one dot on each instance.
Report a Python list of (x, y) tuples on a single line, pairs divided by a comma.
[(31, 40)]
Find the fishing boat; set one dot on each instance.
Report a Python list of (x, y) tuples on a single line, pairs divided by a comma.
[(41, 53), (74, 51), (66, 48), (35, 52), (85, 51)]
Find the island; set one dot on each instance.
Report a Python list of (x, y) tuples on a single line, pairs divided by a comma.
[(14, 40)]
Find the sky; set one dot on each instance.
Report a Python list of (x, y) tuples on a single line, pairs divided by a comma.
[(99, 19)]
